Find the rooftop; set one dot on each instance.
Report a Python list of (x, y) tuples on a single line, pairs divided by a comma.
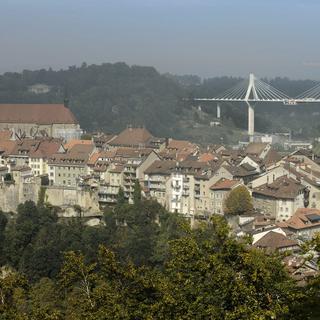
[(36, 114), (224, 184), (131, 137), (281, 188), (273, 241)]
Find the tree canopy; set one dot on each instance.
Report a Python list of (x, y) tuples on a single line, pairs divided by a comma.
[(239, 201)]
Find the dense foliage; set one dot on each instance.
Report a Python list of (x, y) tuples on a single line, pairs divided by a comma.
[(239, 201), (142, 263), (110, 96)]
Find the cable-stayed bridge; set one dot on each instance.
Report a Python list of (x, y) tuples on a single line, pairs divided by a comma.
[(254, 90)]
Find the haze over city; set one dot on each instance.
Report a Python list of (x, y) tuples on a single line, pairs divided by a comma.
[(207, 38)]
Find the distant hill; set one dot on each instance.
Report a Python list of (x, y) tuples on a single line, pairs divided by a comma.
[(110, 96)]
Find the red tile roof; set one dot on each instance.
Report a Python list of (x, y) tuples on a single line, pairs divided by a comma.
[(36, 113), (71, 143), (7, 146), (302, 219), (206, 157), (5, 135), (224, 184)]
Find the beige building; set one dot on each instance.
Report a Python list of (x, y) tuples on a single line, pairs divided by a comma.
[(219, 193), (280, 199), (181, 187), (66, 169)]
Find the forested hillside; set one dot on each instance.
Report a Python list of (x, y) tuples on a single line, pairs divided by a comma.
[(110, 96), (150, 266)]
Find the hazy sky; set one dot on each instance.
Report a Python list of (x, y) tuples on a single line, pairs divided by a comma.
[(204, 37)]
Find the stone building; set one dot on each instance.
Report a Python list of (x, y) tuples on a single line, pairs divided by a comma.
[(46, 120)]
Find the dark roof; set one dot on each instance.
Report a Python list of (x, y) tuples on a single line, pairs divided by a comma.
[(36, 113), (161, 167), (281, 188)]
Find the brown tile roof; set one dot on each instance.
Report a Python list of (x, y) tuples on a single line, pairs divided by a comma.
[(5, 135), (131, 137), (193, 167), (45, 149), (303, 218), (168, 154), (245, 170), (36, 148), (255, 148), (73, 142), (77, 155), (132, 152), (181, 145), (94, 158), (273, 241), (224, 184), (36, 113), (281, 188), (161, 167), (7, 146), (206, 157), (272, 157)]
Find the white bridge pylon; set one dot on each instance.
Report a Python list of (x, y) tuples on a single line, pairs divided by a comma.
[(254, 90)]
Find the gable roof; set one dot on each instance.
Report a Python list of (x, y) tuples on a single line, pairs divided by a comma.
[(273, 241), (132, 137), (36, 113)]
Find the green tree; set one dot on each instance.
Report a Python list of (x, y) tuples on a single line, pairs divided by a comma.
[(239, 201), (3, 223), (210, 275), (121, 199), (13, 290), (137, 193)]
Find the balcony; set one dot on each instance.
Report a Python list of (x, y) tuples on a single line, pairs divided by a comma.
[(105, 199)]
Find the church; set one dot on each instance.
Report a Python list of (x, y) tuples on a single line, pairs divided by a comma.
[(39, 120)]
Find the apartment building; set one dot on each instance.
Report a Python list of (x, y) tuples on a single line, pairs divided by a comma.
[(65, 169), (280, 199)]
